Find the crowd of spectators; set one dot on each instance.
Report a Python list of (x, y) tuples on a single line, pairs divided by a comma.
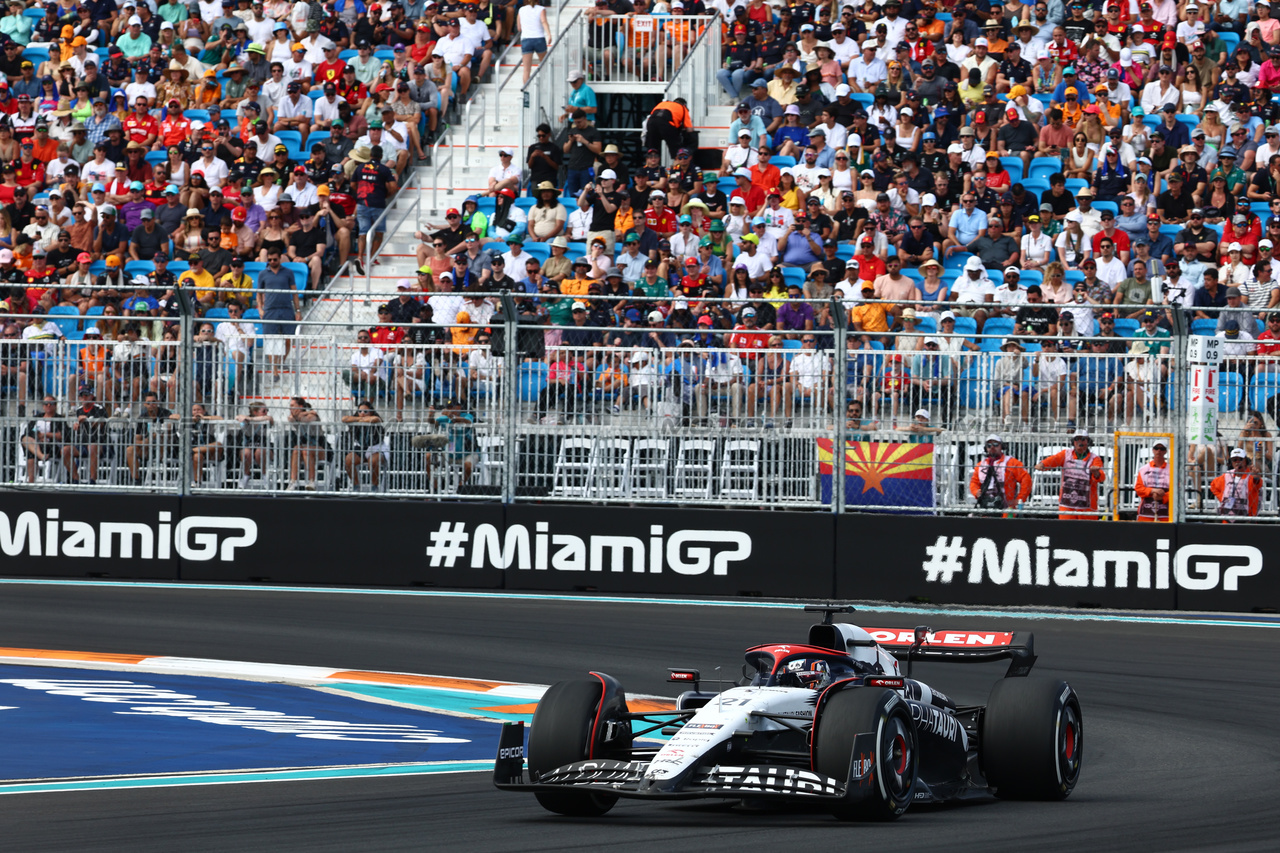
[(240, 150), (1062, 169)]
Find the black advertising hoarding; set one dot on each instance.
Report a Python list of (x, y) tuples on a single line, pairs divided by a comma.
[(659, 551), (667, 551), (350, 542), (1007, 562), (69, 534), (1233, 567)]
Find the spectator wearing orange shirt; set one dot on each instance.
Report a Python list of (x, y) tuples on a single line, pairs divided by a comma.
[(93, 364), (44, 148), (175, 129), (1081, 473), (999, 481), (1238, 489), (764, 174)]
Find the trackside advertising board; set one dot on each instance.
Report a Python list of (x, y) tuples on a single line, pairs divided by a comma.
[(664, 551), (667, 551)]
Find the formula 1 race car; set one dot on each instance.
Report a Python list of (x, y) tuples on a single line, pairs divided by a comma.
[(832, 722)]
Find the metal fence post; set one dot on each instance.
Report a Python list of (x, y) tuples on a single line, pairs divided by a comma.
[(510, 385), (840, 332), (186, 375), (1178, 415)]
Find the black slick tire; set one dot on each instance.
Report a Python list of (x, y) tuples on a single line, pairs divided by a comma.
[(561, 734), (1032, 739), (886, 794)]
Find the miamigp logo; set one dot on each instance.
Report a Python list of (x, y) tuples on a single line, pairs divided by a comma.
[(1192, 567), (200, 537), (685, 552)]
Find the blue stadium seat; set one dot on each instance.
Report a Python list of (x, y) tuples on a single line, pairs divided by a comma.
[(301, 274), (1153, 121), (1044, 167), (1030, 277), (844, 252), (1171, 231), (197, 115), (1074, 185), (217, 314), (1106, 205), (956, 261), (533, 378), (998, 326), (1230, 390), (1013, 165), (153, 157), (1126, 327), (793, 275), (1207, 327), (1231, 40), (1263, 387), (132, 268), (783, 162), (541, 251), (1038, 187), (66, 316), (927, 325), (1189, 121)]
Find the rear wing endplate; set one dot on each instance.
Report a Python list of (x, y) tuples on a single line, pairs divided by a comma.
[(924, 644)]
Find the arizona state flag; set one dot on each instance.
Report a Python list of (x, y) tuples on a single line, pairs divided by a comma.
[(893, 475)]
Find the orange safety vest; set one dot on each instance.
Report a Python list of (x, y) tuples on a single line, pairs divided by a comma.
[(679, 115)]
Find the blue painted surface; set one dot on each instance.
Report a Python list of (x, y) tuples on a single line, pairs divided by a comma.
[(458, 701), (70, 723)]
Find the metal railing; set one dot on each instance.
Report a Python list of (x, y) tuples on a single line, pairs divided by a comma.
[(543, 97), (667, 411), (469, 123), (695, 75)]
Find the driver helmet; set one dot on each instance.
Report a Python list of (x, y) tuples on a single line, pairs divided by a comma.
[(810, 672)]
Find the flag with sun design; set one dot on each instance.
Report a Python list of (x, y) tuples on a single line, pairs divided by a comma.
[(897, 476)]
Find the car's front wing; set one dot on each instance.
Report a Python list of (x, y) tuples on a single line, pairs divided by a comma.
[(627, 778)]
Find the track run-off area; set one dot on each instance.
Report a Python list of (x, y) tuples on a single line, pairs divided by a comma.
[(284, 718)]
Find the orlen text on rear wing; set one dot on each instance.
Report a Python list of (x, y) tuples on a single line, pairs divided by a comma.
[(924, 644)]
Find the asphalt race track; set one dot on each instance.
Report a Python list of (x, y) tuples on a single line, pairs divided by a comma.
[(1181, 731)]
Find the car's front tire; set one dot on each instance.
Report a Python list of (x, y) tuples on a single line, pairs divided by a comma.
[(1032, 739), (886, 792), (561, 733)]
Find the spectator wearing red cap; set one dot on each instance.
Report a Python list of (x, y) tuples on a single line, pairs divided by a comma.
[(1017, 138)]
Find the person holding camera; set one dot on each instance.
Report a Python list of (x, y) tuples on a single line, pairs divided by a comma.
[(999, 481)]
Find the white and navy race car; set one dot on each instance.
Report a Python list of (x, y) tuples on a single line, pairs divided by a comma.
[(833, 721)]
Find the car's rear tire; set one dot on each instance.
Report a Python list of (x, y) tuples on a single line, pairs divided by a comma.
[(1032, 739), (886, 794), (561, 734)]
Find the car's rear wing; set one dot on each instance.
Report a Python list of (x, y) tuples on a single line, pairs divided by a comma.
[(924, 644)]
